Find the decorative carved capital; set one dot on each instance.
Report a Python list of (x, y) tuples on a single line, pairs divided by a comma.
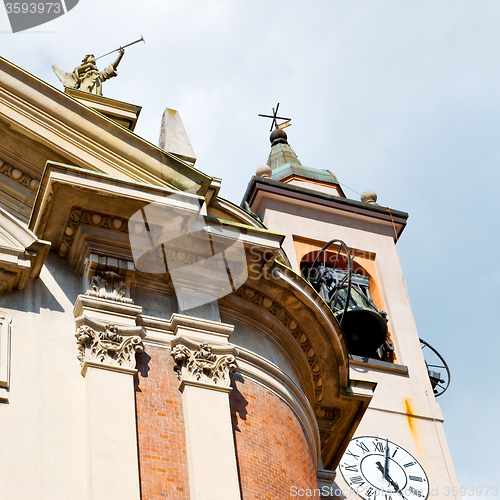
[(108, 347), (202, 364)]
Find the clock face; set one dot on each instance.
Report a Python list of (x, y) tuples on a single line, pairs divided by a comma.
[(377, 468)]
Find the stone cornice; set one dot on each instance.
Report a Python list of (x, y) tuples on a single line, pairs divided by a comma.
[(256, 297), (259, 187), (79, 217), (200, 328), (19, 176), (104, 306)]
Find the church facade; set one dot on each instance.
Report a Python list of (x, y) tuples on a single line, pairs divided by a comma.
[(158, 341)]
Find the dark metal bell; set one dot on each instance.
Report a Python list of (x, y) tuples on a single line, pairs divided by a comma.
[(365, 329), (348, 295)]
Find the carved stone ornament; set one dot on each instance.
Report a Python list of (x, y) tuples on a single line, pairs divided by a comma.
[(108, 347), (80, 217), (19, 176), (200, 364), (109, 285)]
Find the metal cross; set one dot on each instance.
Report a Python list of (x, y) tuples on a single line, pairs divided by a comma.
[(275, 117)]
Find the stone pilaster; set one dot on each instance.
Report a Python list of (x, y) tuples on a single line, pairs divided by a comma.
[(204, 374), (108, 342), (5, 321)]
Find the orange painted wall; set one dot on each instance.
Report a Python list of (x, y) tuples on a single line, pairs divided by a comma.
[(273, 452), (160, 421)]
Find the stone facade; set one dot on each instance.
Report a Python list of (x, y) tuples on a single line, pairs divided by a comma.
[(111, 386)]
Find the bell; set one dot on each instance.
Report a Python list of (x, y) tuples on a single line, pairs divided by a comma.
[(364, 328)]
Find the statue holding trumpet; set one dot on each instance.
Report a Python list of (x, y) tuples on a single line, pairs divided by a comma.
[(87, 76)]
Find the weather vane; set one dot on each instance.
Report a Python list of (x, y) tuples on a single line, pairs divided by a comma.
[(87, 77), (275, 117)]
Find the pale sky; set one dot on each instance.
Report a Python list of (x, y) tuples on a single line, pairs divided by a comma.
[(400, 97)]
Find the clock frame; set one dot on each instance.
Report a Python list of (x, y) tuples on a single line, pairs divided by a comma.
[(376, 468)]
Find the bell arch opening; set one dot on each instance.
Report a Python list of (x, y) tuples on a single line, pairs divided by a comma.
[(358, 308)]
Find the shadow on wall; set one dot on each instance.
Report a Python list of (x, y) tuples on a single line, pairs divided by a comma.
[(143, 368), (35, 296), (237, 402)]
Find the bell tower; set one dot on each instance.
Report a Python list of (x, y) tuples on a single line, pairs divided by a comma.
[(346, 250)]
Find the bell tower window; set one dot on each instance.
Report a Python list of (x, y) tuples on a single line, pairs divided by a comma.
[(345, 287)]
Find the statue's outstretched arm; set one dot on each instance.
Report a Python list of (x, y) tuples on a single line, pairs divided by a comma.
[(118, 59)]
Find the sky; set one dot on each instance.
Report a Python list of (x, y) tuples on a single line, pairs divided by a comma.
[(396, 96)]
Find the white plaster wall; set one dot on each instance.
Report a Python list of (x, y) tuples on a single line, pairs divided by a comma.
[(42, 427), (155, 304)]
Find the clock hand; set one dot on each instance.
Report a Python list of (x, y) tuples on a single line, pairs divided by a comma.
[(394, 484), (389, 478), (386, 473), (381, 468)]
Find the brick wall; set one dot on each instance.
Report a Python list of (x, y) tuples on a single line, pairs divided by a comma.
[(160, 421), (273, 452)]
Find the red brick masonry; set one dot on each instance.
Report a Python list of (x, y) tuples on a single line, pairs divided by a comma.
[(273, 452), (160, 421)]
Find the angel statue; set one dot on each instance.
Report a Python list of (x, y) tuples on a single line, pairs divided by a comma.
[(87, 77)]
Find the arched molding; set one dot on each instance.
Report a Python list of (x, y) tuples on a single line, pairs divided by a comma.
[(288, 307), (275, 335), (263, 372)]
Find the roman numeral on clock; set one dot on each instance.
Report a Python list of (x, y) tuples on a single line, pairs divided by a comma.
[(409, 464), (352, 454), (351, 468), (357, 480), (416, 478), (379, 447), (363, 447)]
